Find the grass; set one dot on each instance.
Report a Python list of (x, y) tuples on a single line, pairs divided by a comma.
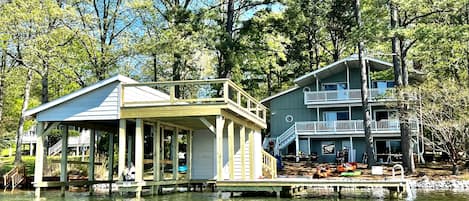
[(7, 163)]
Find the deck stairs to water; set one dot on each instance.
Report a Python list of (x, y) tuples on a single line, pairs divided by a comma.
[(14, 178), (281, 141)]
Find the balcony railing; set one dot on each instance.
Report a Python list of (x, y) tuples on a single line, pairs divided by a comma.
[(349, 126), (347, 95), (194, 92)]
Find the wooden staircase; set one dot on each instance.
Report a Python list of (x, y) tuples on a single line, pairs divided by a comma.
[(13, 178)]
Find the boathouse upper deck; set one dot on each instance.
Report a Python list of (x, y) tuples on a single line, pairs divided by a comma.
[(185, 100)]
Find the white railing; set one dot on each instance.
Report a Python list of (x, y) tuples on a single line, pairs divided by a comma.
[(269, 165), (347, 95), (349, 126)]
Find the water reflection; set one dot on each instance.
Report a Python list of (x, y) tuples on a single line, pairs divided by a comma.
[(55, 196)]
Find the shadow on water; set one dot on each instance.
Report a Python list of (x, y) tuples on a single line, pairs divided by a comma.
[(55, 196)]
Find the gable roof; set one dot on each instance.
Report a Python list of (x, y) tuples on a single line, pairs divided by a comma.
[(78, 93), (332, 68), (351, 61), (265, 100)]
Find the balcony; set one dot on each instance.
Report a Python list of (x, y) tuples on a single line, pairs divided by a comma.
[(350, 127), (346, 96), (189, 98)]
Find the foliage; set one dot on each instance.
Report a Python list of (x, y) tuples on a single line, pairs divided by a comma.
[(445, 114)]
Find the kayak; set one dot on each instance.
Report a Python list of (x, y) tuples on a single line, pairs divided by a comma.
[(351, 174)]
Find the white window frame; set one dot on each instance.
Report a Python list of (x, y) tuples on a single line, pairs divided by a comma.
[(325, 143)]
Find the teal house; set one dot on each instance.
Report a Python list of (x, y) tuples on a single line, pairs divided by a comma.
[(321, 116)]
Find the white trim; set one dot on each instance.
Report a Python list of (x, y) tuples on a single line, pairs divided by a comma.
[(279, 94), (287, 117), (350, 58), (323, 143)]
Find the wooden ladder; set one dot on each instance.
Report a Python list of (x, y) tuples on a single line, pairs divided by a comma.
[(13, 178)]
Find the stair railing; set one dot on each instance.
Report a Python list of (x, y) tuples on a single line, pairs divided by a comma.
[(269, 165)]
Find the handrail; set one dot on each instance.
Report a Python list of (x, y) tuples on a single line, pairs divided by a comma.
[(347, 95), (14, 177), (349, 126), (198, 92), (269, 164)]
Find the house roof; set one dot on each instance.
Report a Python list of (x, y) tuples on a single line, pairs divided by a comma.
[(351, 61), (78, 93), (266, 100)]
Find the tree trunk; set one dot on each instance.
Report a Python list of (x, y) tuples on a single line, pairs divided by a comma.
[(2, 93), (401, 81), (177, 72), (45, 87), (364, 93), (155, 65), (395, 45), (227, 47), (19, 131)]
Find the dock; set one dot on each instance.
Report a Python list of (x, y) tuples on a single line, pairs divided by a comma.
[(288, 186)]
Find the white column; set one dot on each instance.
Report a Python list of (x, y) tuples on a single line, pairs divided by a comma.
[(157, 152), (219, 138), (175, 152), (139, 155), (231, 148), (156, 155), (139, 150), (63, 160), (39, 163), (122, 141), (189, 155), (252, 159), (351, 150), (242, 147)]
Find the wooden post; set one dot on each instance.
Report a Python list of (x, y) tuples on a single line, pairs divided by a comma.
[(172, 94), (189, 155), (139, 155), (63, 161), (226, 91), (219, 138), (111, 161), (156, 155), (174, 152), (242, 146), (231, 148), (91, 159), (39, 163), (121, 160), (251, 154)]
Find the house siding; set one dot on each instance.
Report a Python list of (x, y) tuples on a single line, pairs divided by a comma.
[(100, 104), (203, 150)]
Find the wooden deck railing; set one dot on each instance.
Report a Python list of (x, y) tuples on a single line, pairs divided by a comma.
[(269, 165), (196, 92), (13, 178)]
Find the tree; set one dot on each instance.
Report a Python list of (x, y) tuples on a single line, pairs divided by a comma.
[(364, 91), (102, 27), (445, 109)]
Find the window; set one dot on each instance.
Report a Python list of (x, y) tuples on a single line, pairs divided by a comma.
[(328, 148), (335, 116), (289, 118), (334, 86)]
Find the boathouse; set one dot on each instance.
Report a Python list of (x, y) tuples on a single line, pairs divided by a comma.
[(212, 127)]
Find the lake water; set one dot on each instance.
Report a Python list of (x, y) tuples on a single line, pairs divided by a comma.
[(55, 196)]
